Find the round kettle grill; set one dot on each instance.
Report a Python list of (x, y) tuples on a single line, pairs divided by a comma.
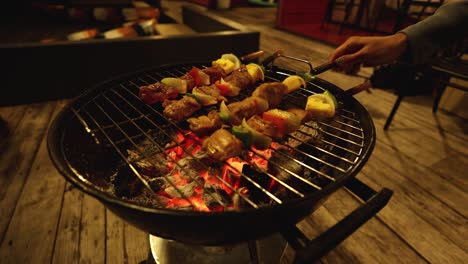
[(89, 141)]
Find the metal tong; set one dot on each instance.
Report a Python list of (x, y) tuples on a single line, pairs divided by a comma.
[(269, 61), (313, 70)]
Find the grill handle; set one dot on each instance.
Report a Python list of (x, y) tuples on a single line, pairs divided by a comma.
[(309, 250)]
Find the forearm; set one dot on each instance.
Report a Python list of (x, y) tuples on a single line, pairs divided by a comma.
[(447, 25)]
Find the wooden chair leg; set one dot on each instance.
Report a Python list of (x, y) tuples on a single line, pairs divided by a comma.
[(328, 13), (438, 95), (393, 112), (348, 9)]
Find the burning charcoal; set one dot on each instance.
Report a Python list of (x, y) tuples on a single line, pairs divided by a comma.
[(186, 190), (157, 184), (310, 134), (190, 168), (258, 177), (213, 184), (148, 148), (168, 181), (215, 197), (161, 200), (281, 162), (154, 165), (132, 156)]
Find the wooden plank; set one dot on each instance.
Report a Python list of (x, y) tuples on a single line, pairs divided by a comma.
[(439, 153), (92, 231), (424, 177), (37, 212), (67, 242), (415, 149), (414, 136), (411, 206), (114, 239), (17, 158), (372, 243), (125, 243), (12, 115), (439, 185), (454, 168), (136, 244), (448, 133), (318, 222)]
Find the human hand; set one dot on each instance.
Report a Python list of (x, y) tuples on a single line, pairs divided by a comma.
[(370, 51)]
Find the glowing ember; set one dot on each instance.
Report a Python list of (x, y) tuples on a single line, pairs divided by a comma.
[(199, 183)]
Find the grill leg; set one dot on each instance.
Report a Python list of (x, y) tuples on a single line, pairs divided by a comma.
[(393, 112)]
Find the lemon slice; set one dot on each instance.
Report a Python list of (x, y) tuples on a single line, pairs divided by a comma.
[(294, 82), (233, 58), (255, 71)]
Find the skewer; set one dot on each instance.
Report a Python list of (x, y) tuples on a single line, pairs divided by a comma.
[(170, 88), (252, 56)]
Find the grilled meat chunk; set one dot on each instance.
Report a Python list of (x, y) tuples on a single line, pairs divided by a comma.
[(177, 110), (215, 73), (222, 145), (211, 90), (191, 82), (204, 125), (303, 115), (246, 108), (265, 127), (272, 92), (157, 92), (240, 78)]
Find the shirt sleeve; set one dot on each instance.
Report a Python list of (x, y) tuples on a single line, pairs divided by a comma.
[(448, 25)]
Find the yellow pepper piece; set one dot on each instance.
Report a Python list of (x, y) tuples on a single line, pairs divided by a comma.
[(227, 65), (320, 105)]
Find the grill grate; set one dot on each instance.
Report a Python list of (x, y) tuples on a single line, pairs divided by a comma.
[(119, 117)]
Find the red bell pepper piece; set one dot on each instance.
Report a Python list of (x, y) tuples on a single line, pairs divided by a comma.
[(278, 121), (196, 76), (223, 87)]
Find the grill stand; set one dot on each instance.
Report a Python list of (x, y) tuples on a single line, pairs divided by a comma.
[(265, 251), (270, 249)]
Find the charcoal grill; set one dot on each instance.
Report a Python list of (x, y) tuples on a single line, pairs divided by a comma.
[(89, 138)]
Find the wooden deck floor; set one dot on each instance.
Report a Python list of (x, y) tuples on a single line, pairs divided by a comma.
[(422, 157)]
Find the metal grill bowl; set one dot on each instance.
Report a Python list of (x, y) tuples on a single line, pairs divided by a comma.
[(87, 146)]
